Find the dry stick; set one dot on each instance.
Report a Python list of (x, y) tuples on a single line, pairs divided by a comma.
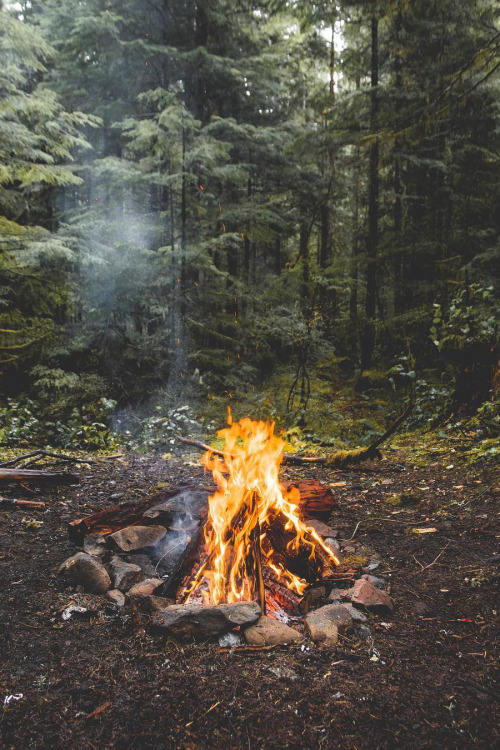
[(379, 518), (37, 475), (393, 427), (425, 567), (7, 503)]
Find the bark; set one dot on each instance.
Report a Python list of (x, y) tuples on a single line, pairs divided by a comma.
[(37, 476), (368, 339), (398, 182)]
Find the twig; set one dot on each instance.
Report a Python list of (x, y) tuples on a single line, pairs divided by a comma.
[(425, 567), (379, 518)]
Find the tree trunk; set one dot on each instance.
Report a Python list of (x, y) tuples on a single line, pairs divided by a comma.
[(368, 339), (398, 183)]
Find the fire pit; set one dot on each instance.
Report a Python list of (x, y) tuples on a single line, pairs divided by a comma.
[(250, 554)]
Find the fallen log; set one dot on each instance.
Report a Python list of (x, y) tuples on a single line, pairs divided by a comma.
[(7, 503), (316, 501), (37, 476)]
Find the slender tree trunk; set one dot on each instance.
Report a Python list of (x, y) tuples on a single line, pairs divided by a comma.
[(368, 339), (353, 298), (304, 261), (165, 21), (398, 182), (326, 244), (182, 291)]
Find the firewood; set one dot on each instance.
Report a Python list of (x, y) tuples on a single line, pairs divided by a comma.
[(37, 476), (129, 513), (185, 563), (7, 503), (316, 499)]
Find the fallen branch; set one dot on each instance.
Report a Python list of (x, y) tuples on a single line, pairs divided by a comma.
[(37, 476), (345, 457), (39, 454), (288, 458), (379, 518), (338, 458), (7, 503), (126, 514)]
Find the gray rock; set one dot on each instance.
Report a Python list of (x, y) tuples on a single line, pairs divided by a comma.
[(138, 537), (144, 563), (116, 597), (95, 545), (335, 596), (364, 594), (336, 613), (269, 632), (332, 544), (364, 633), (356, 614), (231, 640), (321, 628), (86, 571), (191, 621), (124, 574), (372, 565)]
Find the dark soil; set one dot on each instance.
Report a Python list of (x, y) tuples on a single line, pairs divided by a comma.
[(426, 680)]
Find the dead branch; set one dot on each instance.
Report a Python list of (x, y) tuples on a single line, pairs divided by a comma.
[(39, 454), (338, 458), (37, 476), (288, 458), (7, 503)]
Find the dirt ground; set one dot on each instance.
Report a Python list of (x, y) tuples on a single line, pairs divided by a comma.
[(427, 680)]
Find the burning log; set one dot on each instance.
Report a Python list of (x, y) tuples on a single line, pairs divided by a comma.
[(316, 501), (186, 561), (37, 476)]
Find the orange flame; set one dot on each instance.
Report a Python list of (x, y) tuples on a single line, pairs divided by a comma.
[(248, 498)]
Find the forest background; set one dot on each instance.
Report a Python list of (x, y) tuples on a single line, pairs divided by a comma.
[(291, 207)]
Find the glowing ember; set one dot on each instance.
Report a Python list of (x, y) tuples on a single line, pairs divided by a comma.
[(247, 514)]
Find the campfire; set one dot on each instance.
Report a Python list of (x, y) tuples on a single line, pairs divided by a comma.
[(255, 541), (242, 557)]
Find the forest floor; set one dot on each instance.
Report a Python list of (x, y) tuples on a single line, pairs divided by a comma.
[(426, 681)]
